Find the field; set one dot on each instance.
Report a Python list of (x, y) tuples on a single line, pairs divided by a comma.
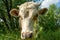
[(48, 24), (50, 35)]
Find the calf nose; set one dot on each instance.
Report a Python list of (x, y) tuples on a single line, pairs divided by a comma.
[(27, 35)]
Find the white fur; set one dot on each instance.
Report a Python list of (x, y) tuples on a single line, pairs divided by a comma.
[(27, 23)]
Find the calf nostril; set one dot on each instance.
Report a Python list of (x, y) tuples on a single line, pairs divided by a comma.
[(30, 35)]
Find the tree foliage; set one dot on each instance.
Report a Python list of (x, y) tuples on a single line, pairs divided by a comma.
[(11, 23), (50, 19)]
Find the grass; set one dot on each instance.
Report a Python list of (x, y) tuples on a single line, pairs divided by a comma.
[(10, 36), (50, 35)]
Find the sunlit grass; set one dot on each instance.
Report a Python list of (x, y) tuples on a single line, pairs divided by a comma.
[(50, 35), (10, 36)]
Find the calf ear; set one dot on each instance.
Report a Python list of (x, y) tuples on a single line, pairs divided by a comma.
[(14, 12), (43, 11)]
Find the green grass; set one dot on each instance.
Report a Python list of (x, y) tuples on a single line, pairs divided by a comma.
[(10, 36), (50, 35)]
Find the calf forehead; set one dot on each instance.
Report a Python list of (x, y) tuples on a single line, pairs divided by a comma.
[(27, 4), (28, 9)]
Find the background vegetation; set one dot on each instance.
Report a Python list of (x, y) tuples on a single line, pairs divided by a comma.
[(48, 24)]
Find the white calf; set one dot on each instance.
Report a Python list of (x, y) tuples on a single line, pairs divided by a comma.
[(27, 13)]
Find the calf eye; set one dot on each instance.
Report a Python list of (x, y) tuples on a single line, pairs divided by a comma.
[(26, 14), (35, 17)]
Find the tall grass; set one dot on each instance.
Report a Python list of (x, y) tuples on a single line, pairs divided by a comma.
[(50, 35)]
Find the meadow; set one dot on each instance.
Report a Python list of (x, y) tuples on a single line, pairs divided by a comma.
[(48, 24)]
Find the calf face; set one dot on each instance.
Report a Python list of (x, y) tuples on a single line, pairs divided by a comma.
[(27, 13)]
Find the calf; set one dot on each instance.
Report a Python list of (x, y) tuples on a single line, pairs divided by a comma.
[(27, 13)]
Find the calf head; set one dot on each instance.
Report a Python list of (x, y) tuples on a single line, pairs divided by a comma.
[(27, 13)]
